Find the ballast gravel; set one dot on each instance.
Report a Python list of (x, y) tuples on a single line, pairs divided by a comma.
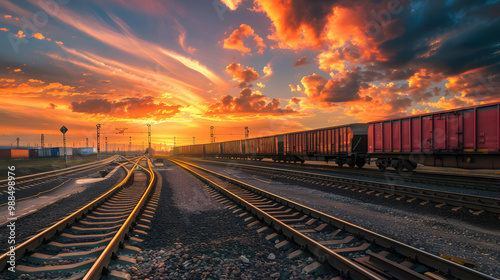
[(433, 230), (36, 222), (193, 237)]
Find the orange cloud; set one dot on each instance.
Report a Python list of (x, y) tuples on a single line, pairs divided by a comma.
[(295, 88), (242, 75), (38, 36), (422, 80), (4, 29), (127, 108), (20, 34), (35, 88), (231, 4), (7, 16), (268, 71), (261, 85), (248, 103), (235, 40), (449, 104), (59, 42), (17, 70)]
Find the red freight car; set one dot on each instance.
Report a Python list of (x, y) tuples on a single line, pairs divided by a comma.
[(465, 138)]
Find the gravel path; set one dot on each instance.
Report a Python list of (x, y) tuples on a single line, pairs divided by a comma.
[(36, 222), (192, 237), (414, 225)]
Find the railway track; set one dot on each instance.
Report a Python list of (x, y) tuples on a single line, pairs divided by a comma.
[(355, 252), (44, 176), (83, 244), (455, 201), (480, 182)]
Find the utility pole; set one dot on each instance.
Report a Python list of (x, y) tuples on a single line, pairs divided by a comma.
[(106, 139), (130, 144), (193, 140), (149, 136), (98, 141), (246, 132), (174, 141), (17, 139), (87, 144), (42, 141), (212, 138)]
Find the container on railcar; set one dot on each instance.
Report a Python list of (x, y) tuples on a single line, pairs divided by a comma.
[(464, 138), (84, 151), (7, 154)]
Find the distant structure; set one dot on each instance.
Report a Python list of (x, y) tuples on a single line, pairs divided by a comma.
[(212, 138), (246, 132)]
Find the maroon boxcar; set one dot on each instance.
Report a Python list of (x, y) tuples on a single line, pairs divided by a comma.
[(33, 153), (465, 138), (344, 144), (232, 148), (212, 149)]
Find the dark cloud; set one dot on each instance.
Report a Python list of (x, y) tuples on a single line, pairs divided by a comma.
[(134, 108), (242, 75), (247, 103), (302, 61)]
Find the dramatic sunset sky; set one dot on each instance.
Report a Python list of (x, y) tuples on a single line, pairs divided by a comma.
[(271, 65)]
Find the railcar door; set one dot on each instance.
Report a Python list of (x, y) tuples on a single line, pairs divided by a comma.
[(453, 133), (439, 132)]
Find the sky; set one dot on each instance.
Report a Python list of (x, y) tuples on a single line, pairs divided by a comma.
[(273, 66)]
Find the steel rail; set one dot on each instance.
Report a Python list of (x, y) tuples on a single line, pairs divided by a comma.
[(113, 246), (48, 233), (473, 202), (471, 181), (450, 268), (55, 173), (337, 261)]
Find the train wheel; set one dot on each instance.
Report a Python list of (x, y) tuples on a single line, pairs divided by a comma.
[(360, 162), (410, 165), (399, 166), (381, 167)]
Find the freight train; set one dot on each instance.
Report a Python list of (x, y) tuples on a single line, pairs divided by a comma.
[(465, 138)]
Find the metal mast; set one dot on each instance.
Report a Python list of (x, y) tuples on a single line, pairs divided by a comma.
[(149, 136), (98, 141)]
